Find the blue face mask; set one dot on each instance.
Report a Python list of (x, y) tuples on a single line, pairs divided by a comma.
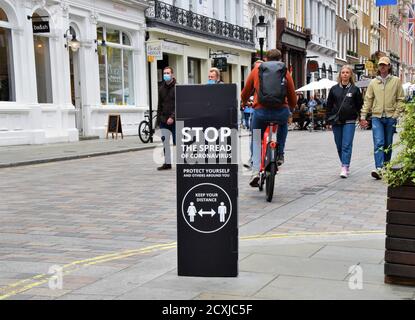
[(166, 77), (211, 81)]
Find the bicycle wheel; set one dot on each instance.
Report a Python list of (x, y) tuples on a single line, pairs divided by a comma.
[(261, 182), (270, 180), (144, 131)]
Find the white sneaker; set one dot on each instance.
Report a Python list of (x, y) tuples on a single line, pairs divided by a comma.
[(344, 173), (377, 174)]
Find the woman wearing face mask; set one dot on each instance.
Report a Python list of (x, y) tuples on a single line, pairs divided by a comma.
[(166, 114), (343, 110), (214, 76)]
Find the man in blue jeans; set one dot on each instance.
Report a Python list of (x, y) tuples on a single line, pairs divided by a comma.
[(385, 99), (262, 115)]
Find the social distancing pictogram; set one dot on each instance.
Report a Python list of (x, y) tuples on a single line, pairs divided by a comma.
[(206, 208)]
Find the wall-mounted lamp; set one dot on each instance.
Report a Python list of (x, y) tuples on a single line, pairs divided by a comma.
[(98, 43), (71, 41)]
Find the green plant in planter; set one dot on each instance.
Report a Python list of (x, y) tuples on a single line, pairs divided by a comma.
[(401, 169)]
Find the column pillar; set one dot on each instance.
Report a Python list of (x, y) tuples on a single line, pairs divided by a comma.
[(308, 14)]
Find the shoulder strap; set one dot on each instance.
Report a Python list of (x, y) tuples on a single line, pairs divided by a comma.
[(344, 99)]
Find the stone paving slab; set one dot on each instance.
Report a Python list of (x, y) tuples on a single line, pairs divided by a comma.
[(305, 288), (291, 250), (304, 267), (144, 293), (354, 255), (247, 283)]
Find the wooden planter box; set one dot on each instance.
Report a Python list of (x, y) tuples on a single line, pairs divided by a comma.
[(400, 232)]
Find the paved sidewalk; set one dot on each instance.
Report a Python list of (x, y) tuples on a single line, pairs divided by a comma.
[(278, 267), (12, 156), (110, 224)]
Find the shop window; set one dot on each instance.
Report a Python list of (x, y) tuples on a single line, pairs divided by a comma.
[(3, 16), (193, 66), (6, 60), (126, 40), (323, 72), (43, 67), (116, 67)]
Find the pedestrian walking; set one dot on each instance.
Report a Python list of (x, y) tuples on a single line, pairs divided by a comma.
[(385, 100), (166, 114), (343, 109), (248, 110)]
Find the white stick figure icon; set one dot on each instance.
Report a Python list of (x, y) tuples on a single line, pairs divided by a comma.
[(191, 211), (222, 210)]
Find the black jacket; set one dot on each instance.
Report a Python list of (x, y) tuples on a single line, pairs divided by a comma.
[(167, 102), (352, 103)]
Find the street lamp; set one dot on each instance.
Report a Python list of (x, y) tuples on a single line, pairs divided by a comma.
[(261, 34)]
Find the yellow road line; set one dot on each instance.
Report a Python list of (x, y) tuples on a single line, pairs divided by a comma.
[(76, 265), (310, 234), (25, 285)]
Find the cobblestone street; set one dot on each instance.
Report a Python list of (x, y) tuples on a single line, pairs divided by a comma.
[(110, 222)]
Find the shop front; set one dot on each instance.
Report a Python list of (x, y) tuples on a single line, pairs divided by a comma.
[(192, 50), (292, 41), (65, 66)]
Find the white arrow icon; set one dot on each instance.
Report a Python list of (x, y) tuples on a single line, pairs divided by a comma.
[(211, 212)]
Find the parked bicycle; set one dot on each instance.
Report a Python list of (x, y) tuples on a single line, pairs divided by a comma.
[(269, 165), (144, 132)]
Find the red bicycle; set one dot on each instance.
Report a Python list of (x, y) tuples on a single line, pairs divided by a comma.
[(269, 164)]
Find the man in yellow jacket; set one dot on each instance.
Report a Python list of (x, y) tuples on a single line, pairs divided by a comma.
[(385, 100)]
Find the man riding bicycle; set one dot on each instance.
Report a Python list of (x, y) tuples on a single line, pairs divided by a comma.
[(269, 106)]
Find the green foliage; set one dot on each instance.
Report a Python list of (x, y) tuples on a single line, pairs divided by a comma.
[(402, 169)]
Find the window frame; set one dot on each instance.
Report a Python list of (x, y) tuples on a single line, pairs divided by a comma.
[(6, 24), (121, 46)]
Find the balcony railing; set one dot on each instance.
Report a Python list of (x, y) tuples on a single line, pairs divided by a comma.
[(160, 12), (294, 27)]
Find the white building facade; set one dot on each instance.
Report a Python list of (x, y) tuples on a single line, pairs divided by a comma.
[(320, 17), (62, 84), (190, 34), (268, 10)]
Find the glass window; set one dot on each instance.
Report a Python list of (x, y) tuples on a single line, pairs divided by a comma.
[(3, 16), (112, 35), (126, 39), (128, 77), (116, 69), (114, 72), (43, 70), (100, 33), (102, 74), (6, 62), (193, 66)]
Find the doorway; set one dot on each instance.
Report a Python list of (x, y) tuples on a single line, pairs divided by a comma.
[(76, 96), (227, 75)]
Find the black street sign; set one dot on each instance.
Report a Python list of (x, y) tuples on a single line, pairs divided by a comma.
[(221, 63), (207, 180), (40, 27), (359, 67)]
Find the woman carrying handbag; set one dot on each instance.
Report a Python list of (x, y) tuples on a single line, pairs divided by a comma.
[(343, 109)]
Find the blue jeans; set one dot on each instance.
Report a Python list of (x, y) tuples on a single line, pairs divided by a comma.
[(343, 136), (259, 121), (247, 120), (166, 132), (383, 130)]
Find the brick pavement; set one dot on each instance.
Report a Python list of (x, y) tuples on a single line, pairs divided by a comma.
[(57, 213)]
